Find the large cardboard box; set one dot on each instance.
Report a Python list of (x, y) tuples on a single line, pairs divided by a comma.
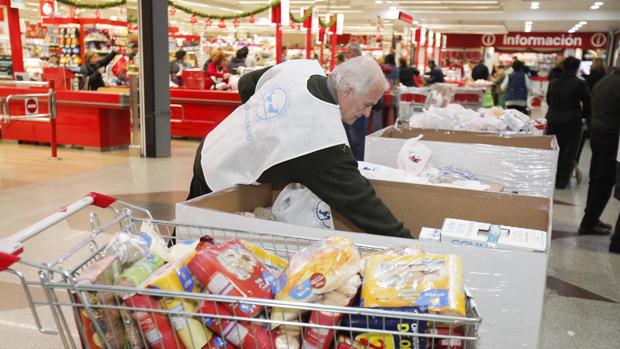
[(415, 205), (522, 164)]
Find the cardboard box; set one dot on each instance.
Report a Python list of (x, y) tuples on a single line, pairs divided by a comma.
[(522, 164), (415, 205), (462, 232)]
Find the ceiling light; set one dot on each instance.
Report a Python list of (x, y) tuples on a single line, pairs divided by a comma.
[(599, 3), (529, 22), (378, 2), (594, 7), (392, 7), (583, 23), (535, 5)]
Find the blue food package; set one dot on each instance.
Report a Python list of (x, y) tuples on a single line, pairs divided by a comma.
[(405, 326)]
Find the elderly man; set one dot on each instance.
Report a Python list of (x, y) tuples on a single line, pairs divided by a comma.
[(356, 133), (289, 130)]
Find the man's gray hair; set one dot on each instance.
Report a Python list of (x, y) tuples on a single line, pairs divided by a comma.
[(360, 73), (355, 47)]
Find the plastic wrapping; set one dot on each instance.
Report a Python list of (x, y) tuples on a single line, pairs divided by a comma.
[(527, 171)]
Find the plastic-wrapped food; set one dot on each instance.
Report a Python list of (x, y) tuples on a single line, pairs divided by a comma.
[(139, 271), (230, 269), (321, 338), (286, 338), (318, 269), (128, 248), (103, 272), (276, 264), (434, 281), (155, 326), (240, 334), (175, 276)]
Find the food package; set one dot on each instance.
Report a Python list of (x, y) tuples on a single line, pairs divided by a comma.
[(157, 245), (321, 338), (414, 156), (300, 206), (175, 276), (434, 281), (139, 271), (129, 248), (240, 334), (446, 343), (230, 269), (103, 272), (155, 326), (286, 338), (276, 264), (316, 270)]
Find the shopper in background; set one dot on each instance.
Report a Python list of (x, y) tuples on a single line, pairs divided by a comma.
[(284, 53), (604, 134), (569, 103), (356, 133), (354, 50), (498, 78), (296, 136), (406, 73), (177, 66), (217, 70), (614, 246), (435, 74), (598, 70), (91, 69), (480, 71), (239, 60), (390, 61), (517, 86)]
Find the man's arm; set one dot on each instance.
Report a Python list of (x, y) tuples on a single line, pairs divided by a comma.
[(247, 83), (332, 175)]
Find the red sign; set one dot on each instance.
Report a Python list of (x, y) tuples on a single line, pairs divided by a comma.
[(47, 7), (529, 40), (32, 105), (405, 17)]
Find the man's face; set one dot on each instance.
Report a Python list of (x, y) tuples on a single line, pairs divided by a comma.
[(354, 106)]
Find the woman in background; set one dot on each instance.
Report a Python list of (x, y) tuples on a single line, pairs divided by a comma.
[(217, 70), (90, 70)]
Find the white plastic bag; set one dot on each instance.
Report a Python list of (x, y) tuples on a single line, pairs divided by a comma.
[(414, 156), (298, 205)]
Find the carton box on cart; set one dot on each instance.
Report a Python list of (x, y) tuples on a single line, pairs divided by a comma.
[(522, 164), (509, 311)]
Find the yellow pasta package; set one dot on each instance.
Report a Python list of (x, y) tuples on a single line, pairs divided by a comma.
[(276, 264), (424, 280), (320, 268)]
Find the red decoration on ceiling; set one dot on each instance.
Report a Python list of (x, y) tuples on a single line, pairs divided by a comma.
[(222, 24), (236, 22), (252, 20), (208, 22), (193, 19), (172, 11)]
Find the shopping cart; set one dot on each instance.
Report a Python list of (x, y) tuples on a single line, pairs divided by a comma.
[(410, 100), (58, 277), (468, 97)]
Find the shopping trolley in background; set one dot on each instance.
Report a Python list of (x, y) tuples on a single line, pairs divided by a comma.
[(58, 278), (468, 97), (410, 100)]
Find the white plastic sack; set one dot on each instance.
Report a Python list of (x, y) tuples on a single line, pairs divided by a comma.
[(414, 156), (298, 205)]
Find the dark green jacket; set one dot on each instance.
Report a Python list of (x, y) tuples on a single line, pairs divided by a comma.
[(606, 104), (330, 173)]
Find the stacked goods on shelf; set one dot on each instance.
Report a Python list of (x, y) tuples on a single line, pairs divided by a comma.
[(69, 44), (331, 272)]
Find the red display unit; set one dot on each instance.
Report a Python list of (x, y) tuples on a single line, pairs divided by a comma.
[(98, 120), (195, 113), (60, 75)]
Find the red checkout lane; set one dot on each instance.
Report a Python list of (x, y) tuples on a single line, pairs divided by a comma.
[(101, 120)]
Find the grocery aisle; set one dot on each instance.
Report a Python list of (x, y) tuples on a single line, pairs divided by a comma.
[(583, 285)]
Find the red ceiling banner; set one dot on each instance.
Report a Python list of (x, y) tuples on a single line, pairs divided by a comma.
[(529, 40), (405, 17)]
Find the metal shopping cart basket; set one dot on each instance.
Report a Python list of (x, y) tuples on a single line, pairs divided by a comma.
[(138, 307), (410, 100)]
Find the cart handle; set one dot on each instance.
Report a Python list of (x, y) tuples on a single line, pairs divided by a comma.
[(11, 247)]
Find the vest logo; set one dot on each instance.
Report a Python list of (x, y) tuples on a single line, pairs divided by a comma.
[(414, 158), (272, 105), (323, 214), (598, 40)]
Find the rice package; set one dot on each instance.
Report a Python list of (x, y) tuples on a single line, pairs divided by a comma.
[(276, 264), (422, 280), (318, 269)]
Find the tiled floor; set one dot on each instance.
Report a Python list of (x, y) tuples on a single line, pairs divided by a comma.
[(581, 309)]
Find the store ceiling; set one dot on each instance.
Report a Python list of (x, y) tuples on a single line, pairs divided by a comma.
[(448, 16)]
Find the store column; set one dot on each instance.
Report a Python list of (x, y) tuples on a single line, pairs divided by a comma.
[(15, 37), (154, 104)]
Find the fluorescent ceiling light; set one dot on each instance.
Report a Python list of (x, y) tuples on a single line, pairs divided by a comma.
[(599, 3), (392, 7), (440, 2), (594, 7), (583, 23), (528, 22), (378, 2)]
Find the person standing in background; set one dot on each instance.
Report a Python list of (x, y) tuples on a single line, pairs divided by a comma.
[(598, 70), (569, 103), (217, 70), (614, 246), (604, 134), (498, 79), (435, 74), (480, 72), (356, 132), (517, 86), (390, 61), (406, 73), (239, 60), (90, 70), (177, 66), (340, 58)]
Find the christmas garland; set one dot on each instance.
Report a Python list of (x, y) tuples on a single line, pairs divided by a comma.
[(302, 18), (90, 5), (331, 22), (193, 12)]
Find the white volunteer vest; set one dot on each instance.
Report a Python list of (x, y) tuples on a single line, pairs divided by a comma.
[(281, 121)]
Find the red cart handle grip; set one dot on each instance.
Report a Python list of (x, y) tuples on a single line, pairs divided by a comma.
[(100, 200)]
